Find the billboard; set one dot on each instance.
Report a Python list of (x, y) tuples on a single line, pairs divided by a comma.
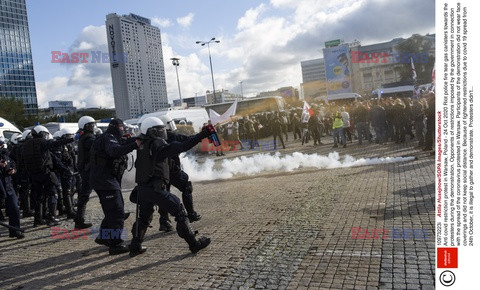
[(337, 69)]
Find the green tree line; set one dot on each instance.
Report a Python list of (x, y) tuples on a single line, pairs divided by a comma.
[(13, 110)]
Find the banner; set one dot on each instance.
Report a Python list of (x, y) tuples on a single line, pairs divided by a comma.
[(337, 69)]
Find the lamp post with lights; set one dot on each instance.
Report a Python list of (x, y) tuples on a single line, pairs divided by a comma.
[(176, 63), (203, 43)]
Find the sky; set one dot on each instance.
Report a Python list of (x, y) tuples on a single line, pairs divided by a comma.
[(261, 42)]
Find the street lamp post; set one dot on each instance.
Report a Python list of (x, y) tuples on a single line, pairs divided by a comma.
[(202, 43), (241, 88), (176, 63)]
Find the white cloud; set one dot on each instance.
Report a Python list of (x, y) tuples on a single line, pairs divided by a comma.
[(186, 21), (250, 17), (272, 39), (161, 22), (88, 84)]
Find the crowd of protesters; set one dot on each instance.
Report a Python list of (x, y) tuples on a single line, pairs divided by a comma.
[(378, 121)]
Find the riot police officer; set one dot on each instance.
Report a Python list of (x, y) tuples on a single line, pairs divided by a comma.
[(152, 177), (107, 165), (7, 170), (20, 179), (38, 163), (178, 178), (65, 167), (86, 125)]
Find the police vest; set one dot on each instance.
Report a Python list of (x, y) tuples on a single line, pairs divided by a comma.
[(36, 161), (83, 153), (116, 166), (147, 164)]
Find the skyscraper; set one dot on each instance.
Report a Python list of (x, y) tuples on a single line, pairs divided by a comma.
[(314, 78), (16, 65), (136, 63)]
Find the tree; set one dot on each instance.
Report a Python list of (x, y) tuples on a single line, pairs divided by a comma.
[(13, 110), (418, 48)]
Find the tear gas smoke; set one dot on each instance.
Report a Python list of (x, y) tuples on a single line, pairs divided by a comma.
[(251, 165)]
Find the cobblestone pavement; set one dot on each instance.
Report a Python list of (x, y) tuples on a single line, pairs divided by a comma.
[(272, 231)]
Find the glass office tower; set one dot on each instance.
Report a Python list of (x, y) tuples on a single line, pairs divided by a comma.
[(16, 66)]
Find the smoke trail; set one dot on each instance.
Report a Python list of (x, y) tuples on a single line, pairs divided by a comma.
[(251, 165)]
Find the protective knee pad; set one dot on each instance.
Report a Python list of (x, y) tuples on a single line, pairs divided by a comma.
[(184, 230)]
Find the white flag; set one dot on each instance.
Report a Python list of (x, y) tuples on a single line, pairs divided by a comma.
[(217, 118)]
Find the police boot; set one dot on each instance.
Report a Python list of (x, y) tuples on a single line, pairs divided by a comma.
[(67, 201), (38, 219), (187, 198), (136, 247), (60, 207), (184, 230), (194, 216), (52, 219), (118, 249), (165, 224), (80, 218), (27, 210)]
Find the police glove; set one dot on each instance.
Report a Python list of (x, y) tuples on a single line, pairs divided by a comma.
[(204, 133)]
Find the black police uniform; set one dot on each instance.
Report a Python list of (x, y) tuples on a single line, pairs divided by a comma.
[(105, 178), (62, 164), (83, 164), (152, 176), (21, 181), (38, 163), (180, 180), (7, 190)]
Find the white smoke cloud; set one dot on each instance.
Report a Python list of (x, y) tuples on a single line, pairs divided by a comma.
[(251, 165)]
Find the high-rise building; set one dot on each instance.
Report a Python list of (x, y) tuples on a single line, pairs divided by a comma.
[(313, 70), (16, 65), (314, 78), (137, 67)]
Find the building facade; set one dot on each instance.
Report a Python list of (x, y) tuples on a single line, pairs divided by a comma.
[(373, 66), (16, 65), (61, 107), (314, 78), (380, 65), (197, 101), (137, 65)]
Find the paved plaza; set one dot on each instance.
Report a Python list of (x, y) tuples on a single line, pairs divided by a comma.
[(275, 230)]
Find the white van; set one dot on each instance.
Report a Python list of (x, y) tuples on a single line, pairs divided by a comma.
[(56, 126), (345, 97), (7, 129), (197, 116)]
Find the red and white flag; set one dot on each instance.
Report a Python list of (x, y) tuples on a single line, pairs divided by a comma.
[(414, 73), (307, 112)]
